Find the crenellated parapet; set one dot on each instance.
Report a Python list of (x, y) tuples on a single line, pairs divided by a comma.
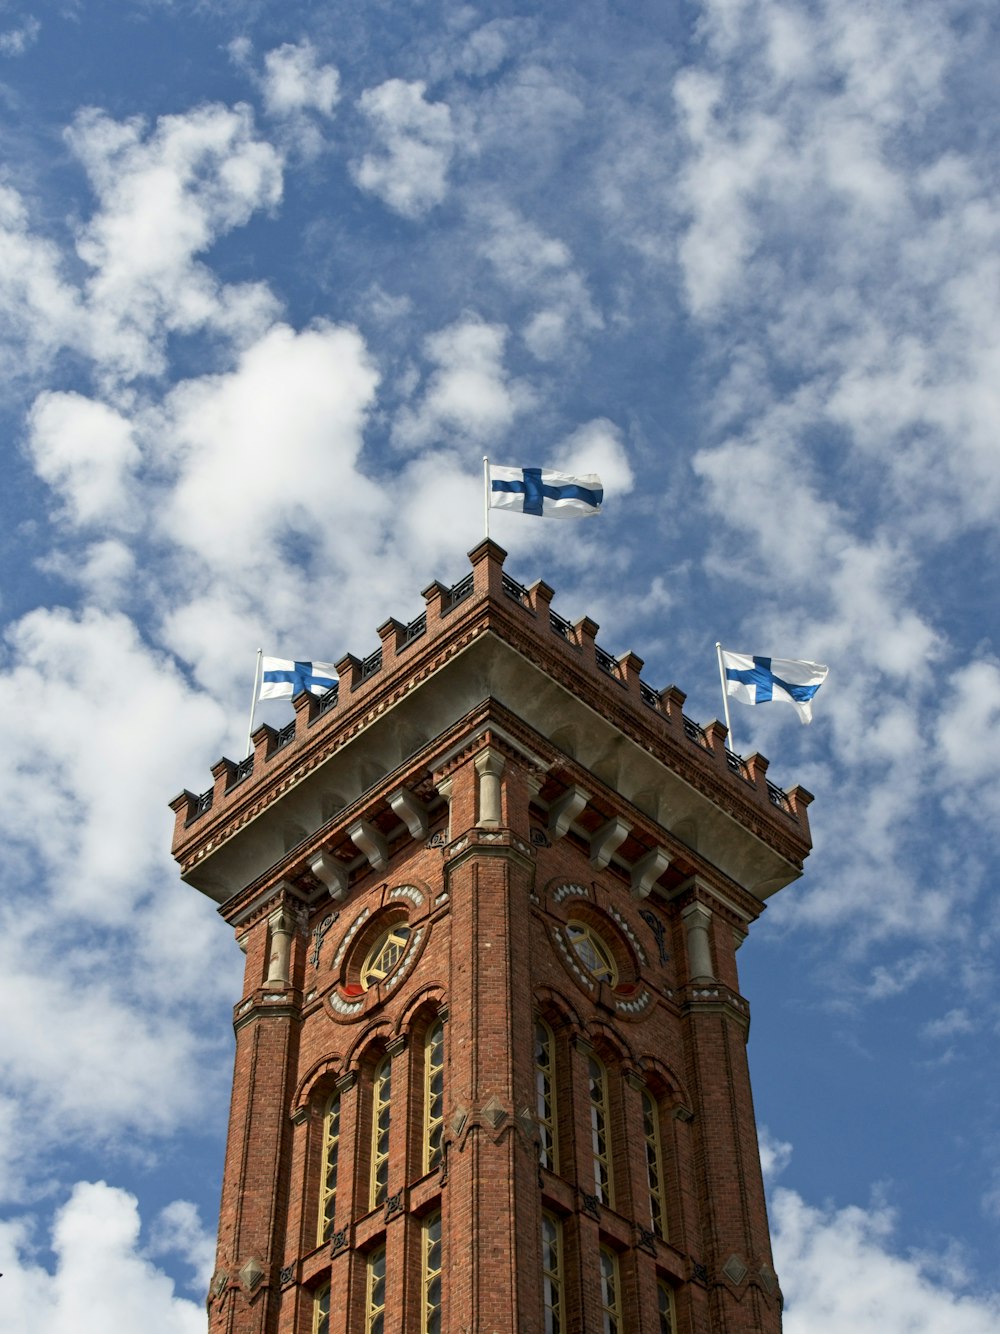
[(487, 642)]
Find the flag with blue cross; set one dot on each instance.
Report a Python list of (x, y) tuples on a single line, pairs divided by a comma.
[(554, 495), (758, 680), (282, 679)]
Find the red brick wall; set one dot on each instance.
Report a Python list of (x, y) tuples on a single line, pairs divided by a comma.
[(489, 958)]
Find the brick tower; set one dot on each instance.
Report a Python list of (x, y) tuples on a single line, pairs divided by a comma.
[(490, 1071)]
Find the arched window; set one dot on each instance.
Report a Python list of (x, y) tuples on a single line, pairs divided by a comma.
[(375, 1291), (381, 1107), (328, 1178), (433, 1095), (654, 1163), (665, 1307), (545, 1095), (321, 1311), (611, 1310), (430, 1245), (600, 1120), (552, 1274)]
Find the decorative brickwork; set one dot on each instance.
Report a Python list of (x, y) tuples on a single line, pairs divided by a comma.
[(502, 1087)]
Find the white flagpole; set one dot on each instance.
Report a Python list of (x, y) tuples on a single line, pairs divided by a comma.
[(725, 698), (253, 700), (486, 495)]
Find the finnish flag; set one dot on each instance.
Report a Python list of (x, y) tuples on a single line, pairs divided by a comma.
[(555, 495), (282, 679), (759, 680)]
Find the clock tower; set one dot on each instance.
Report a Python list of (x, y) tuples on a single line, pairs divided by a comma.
[(490, 1071)]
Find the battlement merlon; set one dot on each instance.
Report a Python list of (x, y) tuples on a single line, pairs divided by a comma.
[(488, 639)]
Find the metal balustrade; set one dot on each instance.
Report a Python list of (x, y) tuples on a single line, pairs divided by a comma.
[(606, 661), (329, 700), (649, 696), (514, 590), (369, 666), (459, 592), (779, 799), (416, 628)]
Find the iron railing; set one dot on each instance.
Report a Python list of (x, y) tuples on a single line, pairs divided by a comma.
[(514, 590), (561, 626), (416, 628), (369, 666), (606, 661), (459, 592)]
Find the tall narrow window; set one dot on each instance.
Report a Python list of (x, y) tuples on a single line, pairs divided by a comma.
[(654, 1163), (610, 1302), (665, 1306), (381, 1099), (321, 1311), (552, 1274), (431, 1265), (545, 1095), (328, 1187), (433, 1095), (375, 1292), (599, 1121)]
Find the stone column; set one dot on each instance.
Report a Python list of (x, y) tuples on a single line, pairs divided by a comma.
[(490, 767), (697, 922)]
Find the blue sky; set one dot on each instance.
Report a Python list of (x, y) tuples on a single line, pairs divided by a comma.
[(272, 279)]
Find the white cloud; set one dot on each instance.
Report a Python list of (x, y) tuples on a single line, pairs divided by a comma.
[(775, 1155), (968, 726), (597, 446), (295, 81), (954, 1023), (838, 1272), (112, 730), (102, 1280), (105, 570), (178, 1230), (469, 395), (487, 47), (131, 1066), (300, 94), (268, 454), (85, 451), (41, 310), (538, 268), (416, 142), (164, 197), (15, 41), (532, 106)]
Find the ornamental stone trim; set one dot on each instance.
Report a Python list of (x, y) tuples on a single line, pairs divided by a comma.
[(636, 1005), (627, 931), (352, 931), (569, 890), (407, 892), (735, 1270), (251, 1273)]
